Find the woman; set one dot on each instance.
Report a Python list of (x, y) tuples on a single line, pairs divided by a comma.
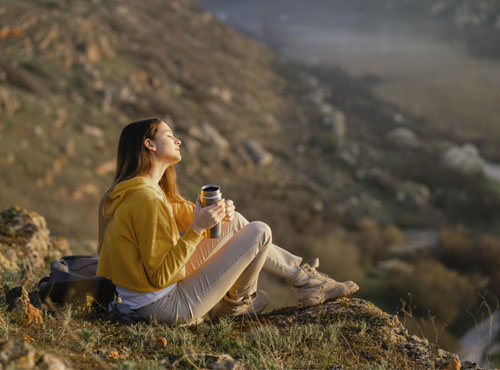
[(179, 279)]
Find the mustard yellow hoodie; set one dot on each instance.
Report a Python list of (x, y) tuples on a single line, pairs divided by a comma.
[(141, 249)]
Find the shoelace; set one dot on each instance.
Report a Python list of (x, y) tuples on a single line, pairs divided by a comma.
[(312, 272)]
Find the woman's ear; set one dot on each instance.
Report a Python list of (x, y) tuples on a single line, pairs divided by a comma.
[(148, 143)]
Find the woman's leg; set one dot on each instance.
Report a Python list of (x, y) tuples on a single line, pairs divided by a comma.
[(313, 287), (279, 262), (208, 247), (234, 269)]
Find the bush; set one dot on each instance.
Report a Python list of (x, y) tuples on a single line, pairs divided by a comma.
[(435, 289), (377, 241), (339, 257), (479, 254)]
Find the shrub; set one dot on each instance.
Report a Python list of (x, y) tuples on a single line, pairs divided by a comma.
[(339, 257), (479, 254), (435, 289), (377, 241)]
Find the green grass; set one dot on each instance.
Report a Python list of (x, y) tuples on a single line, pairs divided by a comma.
[(88, 342)]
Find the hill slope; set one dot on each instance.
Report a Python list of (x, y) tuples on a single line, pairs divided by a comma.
[(308, 150)]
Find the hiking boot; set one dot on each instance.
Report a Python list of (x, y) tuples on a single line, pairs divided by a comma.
[(252, 305), (315, 287)]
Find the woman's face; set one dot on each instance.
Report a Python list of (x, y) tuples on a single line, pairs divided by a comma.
[(165, 147)]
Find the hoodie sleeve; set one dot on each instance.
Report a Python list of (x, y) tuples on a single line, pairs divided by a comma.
[(163, 257), (184, 214)]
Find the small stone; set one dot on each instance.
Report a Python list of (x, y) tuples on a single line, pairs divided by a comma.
[(159, 342), (259, 155), (226, 362)]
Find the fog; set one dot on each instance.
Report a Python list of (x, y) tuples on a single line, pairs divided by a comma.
[(416, 63)]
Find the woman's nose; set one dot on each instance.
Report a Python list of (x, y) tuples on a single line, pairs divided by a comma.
[(178, 142)]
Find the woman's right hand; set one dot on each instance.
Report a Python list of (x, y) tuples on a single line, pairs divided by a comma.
[(207, 217)]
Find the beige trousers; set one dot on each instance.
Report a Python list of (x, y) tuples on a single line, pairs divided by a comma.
[(229, 264)]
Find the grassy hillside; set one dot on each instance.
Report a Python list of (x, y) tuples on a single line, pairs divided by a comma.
[(74, 72)]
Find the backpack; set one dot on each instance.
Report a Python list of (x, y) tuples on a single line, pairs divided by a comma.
[(73, 279)]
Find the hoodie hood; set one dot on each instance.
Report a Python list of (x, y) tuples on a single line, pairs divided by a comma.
[(122, 189)]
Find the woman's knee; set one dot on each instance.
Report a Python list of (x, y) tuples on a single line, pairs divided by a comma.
[(263, 231), (239, 219), (236, 224)]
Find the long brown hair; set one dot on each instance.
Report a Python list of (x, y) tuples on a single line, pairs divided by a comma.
[(133, 159)]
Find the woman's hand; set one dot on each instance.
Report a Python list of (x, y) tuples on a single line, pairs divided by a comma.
[(207, 217), (229, 210)]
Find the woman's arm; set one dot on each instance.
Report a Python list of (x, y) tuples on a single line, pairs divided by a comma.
[(184, 214), (163, 256)]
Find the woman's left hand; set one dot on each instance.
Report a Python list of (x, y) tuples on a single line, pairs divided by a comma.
[(229, 210)]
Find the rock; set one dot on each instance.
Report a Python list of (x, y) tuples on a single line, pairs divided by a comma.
[(398, 118), (8, 104), (226, 362), (7, 259), (18, 298), (106, 167), (94, 52), (467, 365), (317, 206), (403, 137), (107, 98), (210, 135), (17, 354), (337, 123), (223, 93), (93, 131), (453, 364), (25, 241), (465, 159), (271, 123), (84, 190), (259, 155), (158, 343)]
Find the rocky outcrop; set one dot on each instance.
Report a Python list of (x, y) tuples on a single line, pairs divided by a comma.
[(25, 242), (370, 333), (259, 155), (17, 354)]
